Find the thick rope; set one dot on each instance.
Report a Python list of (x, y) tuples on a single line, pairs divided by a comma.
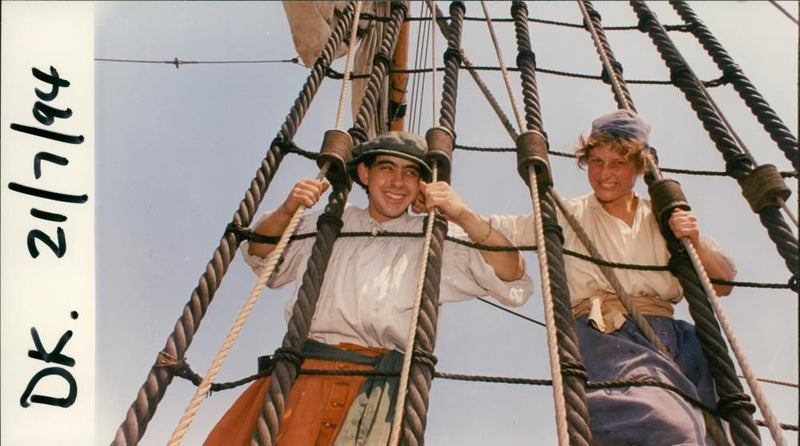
[(755, 388), (738, 164), (380, 68), (421, 373), (573, 392), (452, 62), (152, 391), (747, 91), (743, 428), (552, 334), (503, 69), (329, 226), (479, 82), (272, 261), (299, 325), (415, 400), (219, 359), (687, 82), (612, 70), (433, 72), (397, 422), (559, 401)]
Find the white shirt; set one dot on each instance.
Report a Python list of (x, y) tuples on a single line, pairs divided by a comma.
[(640, 244), (368, 291)]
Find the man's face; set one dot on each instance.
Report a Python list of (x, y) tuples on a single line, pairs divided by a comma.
[(611, 176), (393, 184)]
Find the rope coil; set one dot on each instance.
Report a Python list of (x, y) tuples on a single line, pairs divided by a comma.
[(764, 187), (532, 149), (734, 402), (336, 151), (666, 196), (440, 150)]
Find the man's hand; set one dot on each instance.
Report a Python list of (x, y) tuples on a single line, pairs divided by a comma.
[(305, 192), (443, 197)]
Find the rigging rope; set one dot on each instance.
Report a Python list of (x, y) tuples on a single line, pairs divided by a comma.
[(566, 366), (329, 226), (283, 146), (409, 351), (413, 404), (186, 372), (613, 70), (266, 272), (701, 102), (397, 422), (152, 391), (500, 59), (481, 85), (562, 429), (784, 11)]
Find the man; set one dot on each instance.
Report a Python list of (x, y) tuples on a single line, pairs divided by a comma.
[(624, 230), (363, 316)]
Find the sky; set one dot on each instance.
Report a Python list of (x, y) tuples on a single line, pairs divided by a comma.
[(176, 149)]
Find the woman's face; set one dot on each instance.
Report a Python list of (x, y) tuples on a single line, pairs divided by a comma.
[(611, 175)]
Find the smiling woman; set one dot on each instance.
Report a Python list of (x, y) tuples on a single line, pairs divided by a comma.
[(617, 317)]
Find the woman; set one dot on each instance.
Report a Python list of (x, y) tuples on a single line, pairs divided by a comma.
[(622, 226)]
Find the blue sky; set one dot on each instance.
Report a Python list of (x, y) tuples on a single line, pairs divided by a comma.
[(177, 148)]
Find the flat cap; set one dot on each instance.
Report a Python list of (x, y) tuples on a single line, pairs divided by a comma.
[(401, 144)]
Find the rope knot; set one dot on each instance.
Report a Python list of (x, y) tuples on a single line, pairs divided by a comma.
[(552, 227), (288, 354), (606, 77), (241, 233), (424, 358), (282, 144), (593, 15), (452, 54), (734, 402), (722, 80), (646, 19), (327, 219), (793, 283), (381, 59), (170, 362), (680, 74), (333, 74), (526, 54), (570, 367), (738, 166)]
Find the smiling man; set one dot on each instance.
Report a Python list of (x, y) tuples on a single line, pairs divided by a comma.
[(363, 315)]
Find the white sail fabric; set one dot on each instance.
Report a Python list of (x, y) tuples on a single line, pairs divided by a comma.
[(312, 23)]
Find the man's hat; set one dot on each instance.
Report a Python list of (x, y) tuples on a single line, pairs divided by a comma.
[(622, 123), (401, 144)]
